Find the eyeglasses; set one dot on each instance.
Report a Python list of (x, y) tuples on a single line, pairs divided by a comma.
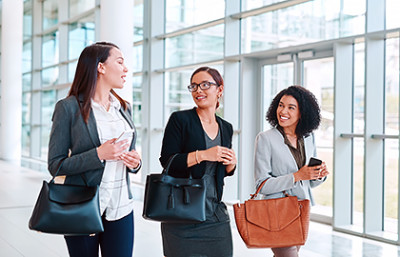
[(203, 86)]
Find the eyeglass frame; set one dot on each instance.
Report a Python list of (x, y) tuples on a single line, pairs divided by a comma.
[(196, 86)]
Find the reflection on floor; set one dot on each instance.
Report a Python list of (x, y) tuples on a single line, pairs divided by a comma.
[(19, 188)]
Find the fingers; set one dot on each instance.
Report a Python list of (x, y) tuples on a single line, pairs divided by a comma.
[(131, 159)]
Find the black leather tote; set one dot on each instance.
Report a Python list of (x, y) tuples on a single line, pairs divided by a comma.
[(67, 209), (174, 200)]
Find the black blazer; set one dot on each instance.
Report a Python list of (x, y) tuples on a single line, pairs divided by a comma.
[(74, 143), (184, 134)]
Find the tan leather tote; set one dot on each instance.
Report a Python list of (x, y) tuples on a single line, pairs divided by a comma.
[(273, 223)]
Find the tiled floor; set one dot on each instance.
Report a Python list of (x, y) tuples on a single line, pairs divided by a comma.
[(19, 188)]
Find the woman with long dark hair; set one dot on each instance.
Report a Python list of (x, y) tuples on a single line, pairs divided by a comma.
[(202, 142), (83, 142), (281, 153)]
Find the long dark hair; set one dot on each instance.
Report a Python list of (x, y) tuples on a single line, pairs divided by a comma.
[(85, 80), (214, 74), (310, 116)]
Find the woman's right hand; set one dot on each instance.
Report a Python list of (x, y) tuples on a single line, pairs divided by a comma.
[(216, 154), (307, 173), (111, 150)]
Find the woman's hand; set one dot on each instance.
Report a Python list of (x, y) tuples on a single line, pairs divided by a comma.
[(217, 154), (131, 159), (323, 172), (230, 161), (111, 150), (310, 173)]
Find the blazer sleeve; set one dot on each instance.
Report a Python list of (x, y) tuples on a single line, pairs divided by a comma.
[(264, 168), (230, 136), (60, 143), (133, 142), (172, 144)]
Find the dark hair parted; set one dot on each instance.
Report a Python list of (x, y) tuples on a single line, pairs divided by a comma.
[(85, 80), (310, 116), (213, 73)]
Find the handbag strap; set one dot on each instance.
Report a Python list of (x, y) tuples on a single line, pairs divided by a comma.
[(260, 187), (58, 170), (169, 164)]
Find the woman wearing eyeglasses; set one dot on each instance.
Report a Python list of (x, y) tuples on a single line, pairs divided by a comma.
[(203, 143)]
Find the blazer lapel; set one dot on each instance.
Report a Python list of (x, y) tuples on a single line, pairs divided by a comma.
[(91, 126), (126, 117), (92, 129), (224, 141)]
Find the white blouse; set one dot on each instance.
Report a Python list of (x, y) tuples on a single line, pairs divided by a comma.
[(113, 192)]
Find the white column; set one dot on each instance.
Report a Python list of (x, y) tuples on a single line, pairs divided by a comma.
[(11, 80), (232, 95), (342, 202), (116, 26)]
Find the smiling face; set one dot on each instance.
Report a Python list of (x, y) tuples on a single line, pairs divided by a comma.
[(288, 113), (206, 98), (113, 71)]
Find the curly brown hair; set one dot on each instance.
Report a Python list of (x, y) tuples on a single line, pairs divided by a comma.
[(310, 116)]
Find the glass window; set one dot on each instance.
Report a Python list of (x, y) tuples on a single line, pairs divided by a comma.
[(26, 108), (391, 128), (392, 14), (187, 13), (358, 128), (79, 6), (71, 71), (177, 96), (352, 17), (199, 46), (318, 77), (44, 144), (50, 13), (50, 77), (138, 24), (48, 98), (26, 82), (27, 56), (253, 4), (27, 23), (50, 45), (81, 34), (138, 58), (26, 140), (137, 101), (276, 78), (301, 24)]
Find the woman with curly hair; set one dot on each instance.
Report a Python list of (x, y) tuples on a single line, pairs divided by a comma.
[(281, 152)]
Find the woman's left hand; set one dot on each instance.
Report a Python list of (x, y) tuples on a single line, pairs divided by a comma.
[(229, 159), (131, 159), (323, 171)]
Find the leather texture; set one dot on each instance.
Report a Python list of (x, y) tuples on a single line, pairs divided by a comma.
[(174, 200), (67, 210), (273, 223)]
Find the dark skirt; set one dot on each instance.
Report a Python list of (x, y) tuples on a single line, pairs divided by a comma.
[(212, 238)]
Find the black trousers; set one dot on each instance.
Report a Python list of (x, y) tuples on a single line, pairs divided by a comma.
[(116, 240)]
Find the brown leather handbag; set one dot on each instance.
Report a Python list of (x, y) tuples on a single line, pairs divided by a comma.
[(273, 223)]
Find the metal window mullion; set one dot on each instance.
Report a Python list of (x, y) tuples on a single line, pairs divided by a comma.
[(191, 29), (268, 8)]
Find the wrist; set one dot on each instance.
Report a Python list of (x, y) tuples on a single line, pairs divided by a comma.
[(296, 176), (99, 154), (196, 156)]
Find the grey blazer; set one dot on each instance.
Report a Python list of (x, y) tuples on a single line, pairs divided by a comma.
[(73, 143), (274, 160)]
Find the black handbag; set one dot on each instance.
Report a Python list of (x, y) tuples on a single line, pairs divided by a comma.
[(67, 209), (174, 200)]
